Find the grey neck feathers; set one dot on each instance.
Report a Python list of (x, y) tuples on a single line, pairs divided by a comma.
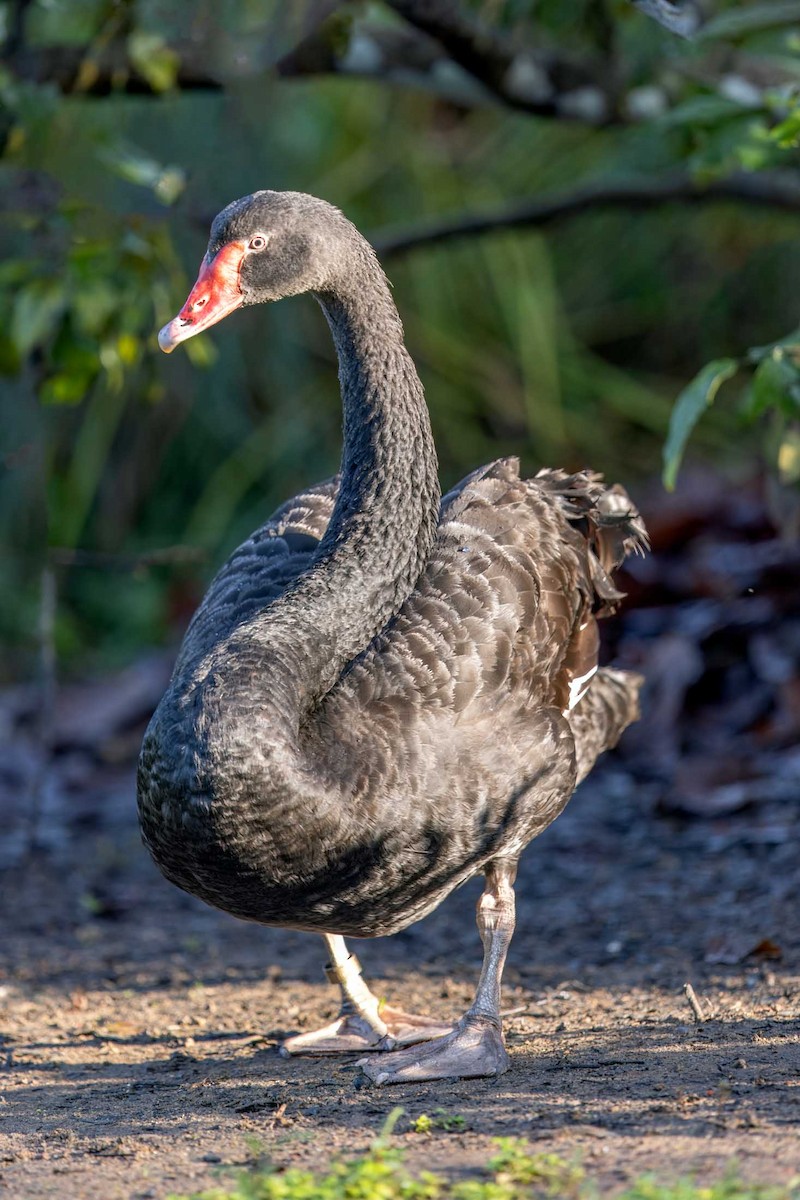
[(383, 525)]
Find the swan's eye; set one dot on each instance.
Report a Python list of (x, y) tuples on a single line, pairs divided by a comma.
[(258, 242)]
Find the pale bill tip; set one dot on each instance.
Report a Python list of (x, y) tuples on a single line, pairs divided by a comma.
[(168, 337)]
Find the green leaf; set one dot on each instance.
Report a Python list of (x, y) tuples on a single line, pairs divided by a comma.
[(689, 407), (701, 111), (787, 133), (153, 59), (743, 19), (775, 386)]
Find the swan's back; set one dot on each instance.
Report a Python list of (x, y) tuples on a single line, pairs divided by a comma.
[(479, 704)]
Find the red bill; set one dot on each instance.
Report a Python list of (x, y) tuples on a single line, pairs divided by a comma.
[(216, 294)]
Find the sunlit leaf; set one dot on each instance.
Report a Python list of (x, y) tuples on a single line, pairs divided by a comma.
[(87, 76), (154, 59), (128, 349), (170, 184), (695, 398), (787, 132), (789, 456)]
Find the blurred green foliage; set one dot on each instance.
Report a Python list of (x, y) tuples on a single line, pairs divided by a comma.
[(565, 346)]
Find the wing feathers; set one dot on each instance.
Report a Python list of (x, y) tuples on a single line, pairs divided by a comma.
[(502, 622)]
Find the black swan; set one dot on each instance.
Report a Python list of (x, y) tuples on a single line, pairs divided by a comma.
[(381, 694)]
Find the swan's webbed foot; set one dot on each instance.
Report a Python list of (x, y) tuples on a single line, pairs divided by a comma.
[(348, 1034), (353, 1034), (363, 1022), (473, 1049), (408, 1029)]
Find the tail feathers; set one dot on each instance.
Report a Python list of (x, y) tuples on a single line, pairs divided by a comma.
[(604, 712), (609, 521)]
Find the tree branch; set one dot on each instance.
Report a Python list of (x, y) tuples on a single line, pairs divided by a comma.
[(111, 70), (439, 45), (774, 189), (534, 81), (100, 71), (365, 50), (461, 62)]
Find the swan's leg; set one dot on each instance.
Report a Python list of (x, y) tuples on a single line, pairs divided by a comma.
[(475, 1047), (363, 1023)]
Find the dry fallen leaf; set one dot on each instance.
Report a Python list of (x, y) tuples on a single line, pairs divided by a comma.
[(729, 949), (766, 949)]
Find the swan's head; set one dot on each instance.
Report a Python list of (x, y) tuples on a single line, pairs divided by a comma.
[(262, 248)]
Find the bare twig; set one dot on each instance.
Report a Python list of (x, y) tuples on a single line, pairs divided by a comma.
[(694, 1003), (774, 189)]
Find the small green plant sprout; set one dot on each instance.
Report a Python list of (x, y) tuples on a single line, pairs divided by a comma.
[(537, 1175), (730, 1187), (441, 1119), (513, 1173)]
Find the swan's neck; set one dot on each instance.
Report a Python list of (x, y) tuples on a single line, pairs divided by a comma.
[(384, 521)]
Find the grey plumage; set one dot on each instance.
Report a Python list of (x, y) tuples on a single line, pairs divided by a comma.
[(377, 696)]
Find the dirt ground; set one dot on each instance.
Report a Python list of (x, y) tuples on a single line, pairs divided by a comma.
[(140, 1029)]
